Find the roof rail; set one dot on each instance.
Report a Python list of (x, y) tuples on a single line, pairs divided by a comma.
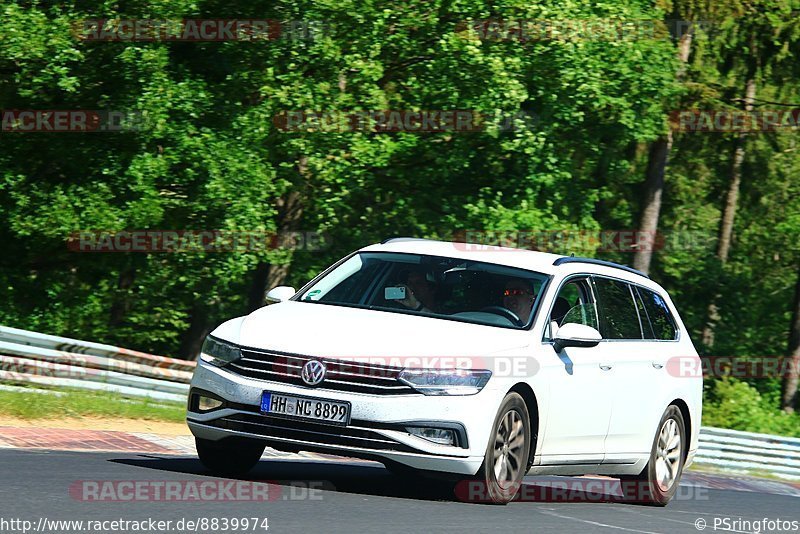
[(593, 261), (390, 239)]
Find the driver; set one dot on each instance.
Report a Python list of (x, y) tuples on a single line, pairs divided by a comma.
[(518, 296), (420, 293)]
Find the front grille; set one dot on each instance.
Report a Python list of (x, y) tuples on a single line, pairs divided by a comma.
[(340, 376), (272, 427)]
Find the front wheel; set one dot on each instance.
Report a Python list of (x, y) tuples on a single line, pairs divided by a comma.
[(229, 456), (658, 481), (506, 458)]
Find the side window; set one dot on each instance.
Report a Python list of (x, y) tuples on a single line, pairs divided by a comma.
[(574, 304), (660, 317), (619, 318)]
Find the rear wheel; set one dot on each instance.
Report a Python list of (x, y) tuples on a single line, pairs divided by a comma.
[(229, 456), (506, 458), (658, 481)]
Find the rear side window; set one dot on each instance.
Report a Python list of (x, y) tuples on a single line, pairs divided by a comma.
[(619, 318), (660, 317), (647, 329)]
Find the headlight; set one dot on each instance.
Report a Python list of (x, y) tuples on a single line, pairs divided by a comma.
[(218, 352), (446, 381), (442, 436)]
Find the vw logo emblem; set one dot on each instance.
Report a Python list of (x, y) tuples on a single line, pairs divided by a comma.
[(313, 372)]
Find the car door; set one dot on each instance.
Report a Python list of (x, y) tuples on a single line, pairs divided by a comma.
[(636, 371), (579, 402), (648, 366)]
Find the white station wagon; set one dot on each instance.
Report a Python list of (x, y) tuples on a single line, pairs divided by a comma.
[(481, 362)]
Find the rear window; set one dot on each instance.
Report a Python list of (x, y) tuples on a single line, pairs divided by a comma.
[(661, 320), (619, 318)]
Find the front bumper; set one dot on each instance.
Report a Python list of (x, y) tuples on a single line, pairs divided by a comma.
[(376, 429)]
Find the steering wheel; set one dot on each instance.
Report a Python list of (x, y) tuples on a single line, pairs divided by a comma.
[(505, 312)]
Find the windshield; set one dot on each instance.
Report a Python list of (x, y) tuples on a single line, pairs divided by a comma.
[(434, 286)]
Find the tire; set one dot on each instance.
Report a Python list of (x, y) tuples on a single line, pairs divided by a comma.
[(659, 480), (229, 456), (506, 458)]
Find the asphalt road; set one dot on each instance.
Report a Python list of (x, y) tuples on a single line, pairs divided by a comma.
[(311, 496)]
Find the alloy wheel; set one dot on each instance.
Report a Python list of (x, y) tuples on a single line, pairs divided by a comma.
[(509, 449), (668, 454)]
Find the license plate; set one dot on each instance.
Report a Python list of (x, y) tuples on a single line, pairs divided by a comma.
[(333, 412)]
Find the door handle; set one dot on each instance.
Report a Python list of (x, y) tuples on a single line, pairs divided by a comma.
[(658, 365), (605, 367)]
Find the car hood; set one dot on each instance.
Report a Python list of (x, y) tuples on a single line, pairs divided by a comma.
[(339, 332)]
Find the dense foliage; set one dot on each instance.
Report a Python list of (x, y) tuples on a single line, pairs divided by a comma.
[(563, 148)]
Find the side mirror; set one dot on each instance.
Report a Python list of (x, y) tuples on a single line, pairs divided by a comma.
[(576, 335), (280, 293)]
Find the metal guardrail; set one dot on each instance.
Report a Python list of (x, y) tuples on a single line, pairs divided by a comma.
[(40, 359), (734, 450)]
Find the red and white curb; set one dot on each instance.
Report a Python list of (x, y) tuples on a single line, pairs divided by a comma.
[(116, 441)]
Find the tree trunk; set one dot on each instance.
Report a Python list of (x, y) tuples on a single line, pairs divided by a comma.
[(728, 216), (121, 303), (789, 400), (654, 180), (192, 339), (654, 186), (729, 211), (266, 276), (255, 296), (290, 212)]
